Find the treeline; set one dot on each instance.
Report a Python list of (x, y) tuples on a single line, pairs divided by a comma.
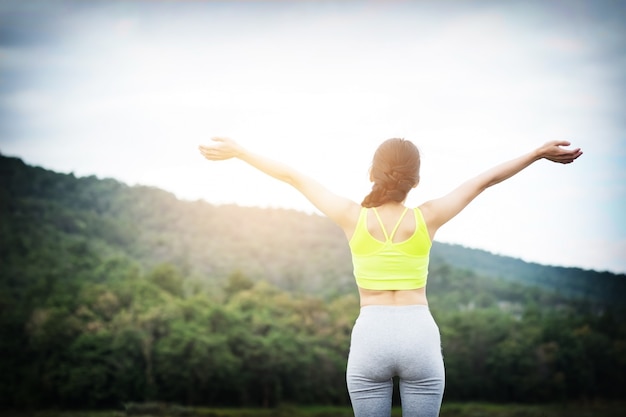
[(112, 294), (148, 338), (602, 287)]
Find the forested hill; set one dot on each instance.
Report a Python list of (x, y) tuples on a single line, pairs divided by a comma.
[(111, 294), (293, 250), (571, 282)]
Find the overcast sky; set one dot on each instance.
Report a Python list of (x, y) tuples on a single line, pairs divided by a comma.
[(129, 89)]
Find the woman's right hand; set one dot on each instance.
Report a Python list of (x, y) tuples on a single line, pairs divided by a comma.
[(221, 149), (555, 152)]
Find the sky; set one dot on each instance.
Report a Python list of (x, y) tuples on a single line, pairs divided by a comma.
[(129, 89)]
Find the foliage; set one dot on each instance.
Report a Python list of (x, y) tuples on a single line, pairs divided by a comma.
[(604, 287), (113, 295)]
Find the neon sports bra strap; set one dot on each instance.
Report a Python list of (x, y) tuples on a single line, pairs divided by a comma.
[(393, 232), (382, 226)]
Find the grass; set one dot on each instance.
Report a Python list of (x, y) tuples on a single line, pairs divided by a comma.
[(617, 409), (526, 410)]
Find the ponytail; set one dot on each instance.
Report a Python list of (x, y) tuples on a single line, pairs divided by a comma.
[(395, 170)]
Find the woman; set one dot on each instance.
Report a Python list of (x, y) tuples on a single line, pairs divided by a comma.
[(395, 334)]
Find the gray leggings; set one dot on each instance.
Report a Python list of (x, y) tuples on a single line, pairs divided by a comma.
[(390, 341)]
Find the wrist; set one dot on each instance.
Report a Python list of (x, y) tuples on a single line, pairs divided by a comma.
[(538, 153), (240, 152)]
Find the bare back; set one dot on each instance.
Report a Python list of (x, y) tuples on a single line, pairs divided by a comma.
[(392, 216)]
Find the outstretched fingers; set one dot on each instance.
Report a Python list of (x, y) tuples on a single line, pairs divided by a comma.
[(222, 148), (212, 153)]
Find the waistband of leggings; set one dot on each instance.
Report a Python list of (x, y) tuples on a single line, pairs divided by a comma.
[(392, 308)]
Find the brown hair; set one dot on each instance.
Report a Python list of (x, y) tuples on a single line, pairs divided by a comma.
[(395, 170)]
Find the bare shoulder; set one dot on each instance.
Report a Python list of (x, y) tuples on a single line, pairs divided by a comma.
[(429, 214), (350, 218), (353, 211), (426, 209)]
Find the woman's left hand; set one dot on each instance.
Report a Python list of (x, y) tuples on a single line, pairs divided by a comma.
[(222, 149)]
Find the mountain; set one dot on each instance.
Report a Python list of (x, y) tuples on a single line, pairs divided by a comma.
[(293, 250), (570, 282)]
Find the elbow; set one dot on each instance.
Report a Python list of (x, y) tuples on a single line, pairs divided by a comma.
[(490, 182), (292, 180), (289, 179), (478, 185)]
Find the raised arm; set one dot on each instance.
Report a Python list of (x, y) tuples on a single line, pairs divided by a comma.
[(339, 209), (439, 211)]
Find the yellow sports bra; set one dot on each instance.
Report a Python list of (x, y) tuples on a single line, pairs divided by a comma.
[(386, 265)]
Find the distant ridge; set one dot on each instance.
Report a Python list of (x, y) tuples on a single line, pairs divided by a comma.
[(568, 281), (292, 249)]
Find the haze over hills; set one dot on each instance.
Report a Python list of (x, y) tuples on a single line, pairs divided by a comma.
[(294, 250)]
